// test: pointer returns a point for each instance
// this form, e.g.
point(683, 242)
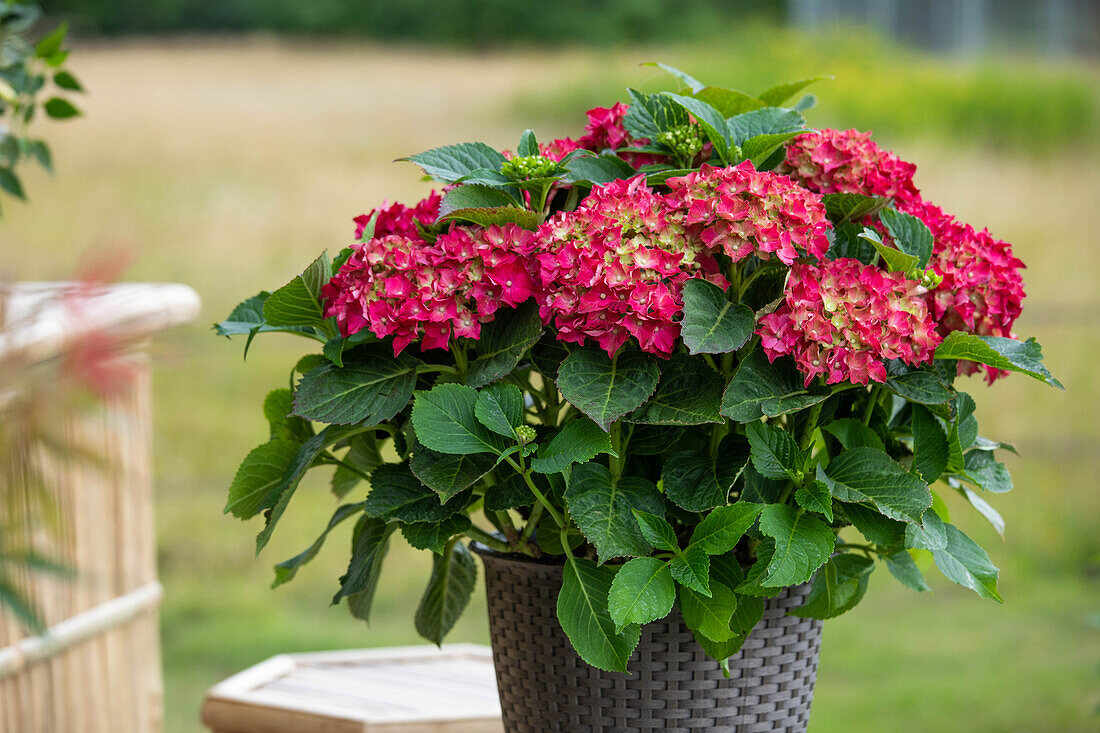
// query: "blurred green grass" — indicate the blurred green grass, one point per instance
point(231, 165)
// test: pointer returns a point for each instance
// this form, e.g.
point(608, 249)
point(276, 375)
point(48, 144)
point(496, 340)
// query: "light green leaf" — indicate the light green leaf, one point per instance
point(910, 235)
point(583, 615)
point(767, 121)
point(802, 544)
point(51, 44)
point(846, 207)
point(528, 144)
point(367, 393)
point(752, 585)
point(837, 587)
point(435, 535)
point(691, 569)
point(867, 474)
point(578, 441)
point(503, 343)
point(454, 574)
point(901, 566)
point(1025, 357)
point(298, 303)
point(713, 324)
point(449, 163)
point(931, 536)
point(709, 615)
point(689, 393)
point(261, 471)
point(853, 433)
point(760, 147)
point(606, 389)
point(641, 591)
point(985, 509)
point(474, 196)
point(494, 216)
point(689, 81)
point(499, 407)
point(780, 93)
point(967, 564)
point(650, 115)
point(724, 527)
point(987, 472)
point(598, 169)
point(603, 510)
point(711, 120)
point(657, 531)
point(774, 452)
point(286, 570)
point(814, 497)
point(895, 259)
point(729, 102)
point(444, 420)
point(760, 388)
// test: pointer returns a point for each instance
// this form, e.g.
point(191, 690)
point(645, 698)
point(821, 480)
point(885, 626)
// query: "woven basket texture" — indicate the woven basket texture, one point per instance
point(672, 685)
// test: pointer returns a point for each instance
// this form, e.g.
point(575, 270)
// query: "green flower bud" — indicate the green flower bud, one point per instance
point(525, 433)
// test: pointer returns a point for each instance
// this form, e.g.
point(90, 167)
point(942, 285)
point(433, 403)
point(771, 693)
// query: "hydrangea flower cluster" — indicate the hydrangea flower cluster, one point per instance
point(745, 212)
point(409, 288)
point(399, 219)
point(847, 161)
point(614, 268)
point(842, 318)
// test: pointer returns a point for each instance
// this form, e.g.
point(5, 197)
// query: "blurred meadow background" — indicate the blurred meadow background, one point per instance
point(228, 162)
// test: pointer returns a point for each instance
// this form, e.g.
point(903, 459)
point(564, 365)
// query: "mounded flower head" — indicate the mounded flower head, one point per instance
point(982, 291)
point(743, 212)
point(407, 288)
point(615, 267)
point(842, 318)
point(398, 219)
point(846, 161)
point(605, 130)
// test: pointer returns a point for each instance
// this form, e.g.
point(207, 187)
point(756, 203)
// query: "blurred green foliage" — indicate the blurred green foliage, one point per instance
point(461, 22)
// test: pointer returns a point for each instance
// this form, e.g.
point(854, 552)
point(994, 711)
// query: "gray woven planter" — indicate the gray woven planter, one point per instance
point(672, 686)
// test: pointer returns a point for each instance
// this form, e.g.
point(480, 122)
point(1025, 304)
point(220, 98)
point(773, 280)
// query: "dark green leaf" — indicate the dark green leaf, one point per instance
point(901, 566)
point(597, 169)
point(367, 394)
point(752, 585)
point(774, 452)
point(369, 545)
point(397, 494)
point(606, 389)
point(724, 527)
point(847, 242)
point(582, 613)
point(910, 235)
point(691, 569)
point(286, 570)
point(689, 393)
point(504, 342)
point(298, 303)
point(930, 449)
point(802, 544)
point(814, 497)
point(759, 388)
point(845, 207)
point(853, 433)
point(474, 196)
point(65, 80)
point(41, 152)
point(989, 473)
point(866, 474)
point(837, 587)
point(641, 591)
point(510, 493)
point(435, 535)
point(713, 324)
point(444, 421)
point(547, 355)
point(1025, 357)
point(364, 456)
point(261, 471)
point(657, 531)
point(578, 441)
point(603, 509)
point(895, 259)
point(710, 119)
point(967, 564)
point(60, 109)
point(499, 407)
point(760, 148)
point(277, 408)
point(454, 574)
point(650, 115)
point(726, 570)
point(696, 482)
point(709, 615)
point(880, 530)
point(451, 162)
point(10, 182)
point(495, 216)
point(448, 474)
point(924, 387)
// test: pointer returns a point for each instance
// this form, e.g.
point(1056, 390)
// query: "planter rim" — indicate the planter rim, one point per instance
point(514, 557)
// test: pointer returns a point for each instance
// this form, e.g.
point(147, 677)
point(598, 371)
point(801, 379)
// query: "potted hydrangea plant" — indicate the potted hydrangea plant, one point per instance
point(684, 382)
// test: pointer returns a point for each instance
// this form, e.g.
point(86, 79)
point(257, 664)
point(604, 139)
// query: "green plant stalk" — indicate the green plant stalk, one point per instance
point(526, 474)
point(493, 543)
point(532, 522)
point(811, 425)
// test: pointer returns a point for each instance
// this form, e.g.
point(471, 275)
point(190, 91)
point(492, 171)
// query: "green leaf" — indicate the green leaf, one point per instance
point(503, 343)
point(780, 93)
point(837, 587)
point(774, 452)
point(650, 115)
point(657, 531)
point(696, 482)
point(444, 420)
point(499, 407)
point(845, 207)
point(495, 216)
point(528, 144)
point(688, 393)
point(512, 492)
point(60, 109)
point(867, 474)
point(641, 591)
point(363, 454)
point(930, 449)
point(286, 570)
point(603, 510)
point(853, 433)
point(814, 497)
point(65, 80)
point(248, 315)
point(1025, 357)
point(298, 303)
point(967, 564)
point(434, 536)
point(363, 394)
point(729, 102)
point(847, 242)
point(901, 566)
point(606, 389)
point(895, 259)
point(802, 544)
point(691, 569)
point(454, 574)
point(448, 474)
point(51, 44)
point(474, 196)
point(278, 405)
point(726, 570)
point(924, 387)
point(713, 324)
point(709, 615)
point(710, 119)
point(10, 182)
point(261, 471)
point(930, 536)
point(397, 494)
point(41, 152)
point(689, 81)
point(723, 528)
point(449, 163)
point(880, 530)
point(583, 615)
point(986, 471)
point(986, 510)
point(752, 585)
point(759, 148)
point(767, 121)
point(369, 545)
point(910, 235)
point(760, 388)
point(578, 441)
point(597, 169)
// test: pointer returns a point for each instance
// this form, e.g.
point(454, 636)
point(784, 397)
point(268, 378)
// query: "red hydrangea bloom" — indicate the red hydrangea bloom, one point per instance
point(400, 220)
point(408, 288)
point(615, 267)
point(605, 130)
point(558, 149)
point(842, 318)
point(744, 211)
point(846, 161)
